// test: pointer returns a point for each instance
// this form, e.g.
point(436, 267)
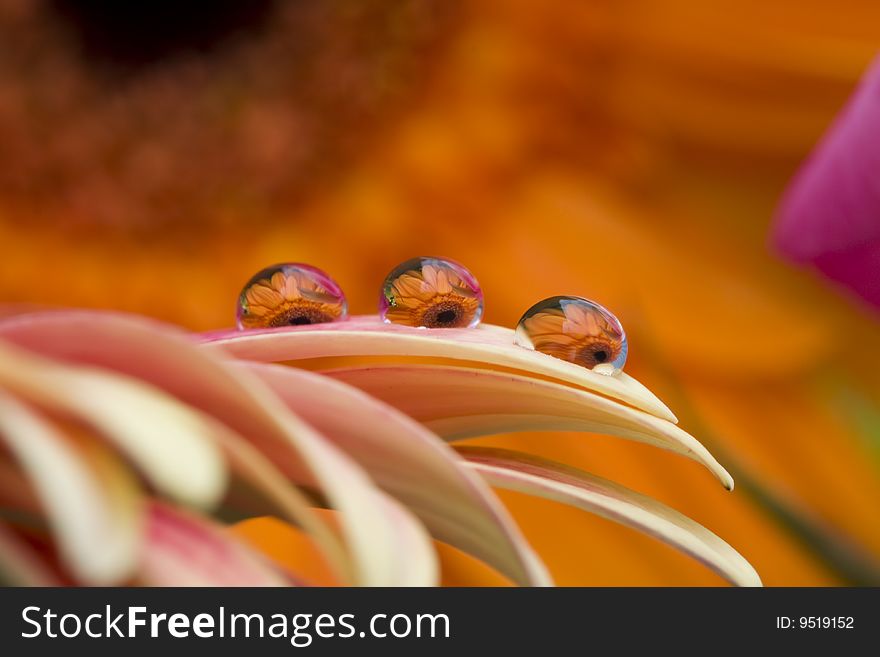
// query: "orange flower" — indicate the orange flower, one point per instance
point(431, 293)
point(575, 330)
point(290, 295)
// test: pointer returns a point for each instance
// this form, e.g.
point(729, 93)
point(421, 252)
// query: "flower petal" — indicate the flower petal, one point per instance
point(829, 215)
point(537, 476)
point(834, 201)
point(459, 402)
point(389, 546)
point(182, 549)
point(174, 449)
point(856, 268)
point(254, 470)
point(413, 465)
point(169, 359)
point(92, 504)
point(410, 544)
point(486, 345)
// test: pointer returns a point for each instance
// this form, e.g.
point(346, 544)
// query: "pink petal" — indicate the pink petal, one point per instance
point(381, 551)
point(413, 465)
point(485, 346)
point(174, 451)
point(858, 268)
point(185, 550)
point(92, 504)
point(830, 215)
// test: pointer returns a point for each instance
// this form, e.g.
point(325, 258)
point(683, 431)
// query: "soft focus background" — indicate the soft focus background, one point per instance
point(630, 151)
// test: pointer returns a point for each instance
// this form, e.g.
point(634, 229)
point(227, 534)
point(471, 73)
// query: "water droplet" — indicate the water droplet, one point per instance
point(290, 294)
point(574, 329)
point(431, 293)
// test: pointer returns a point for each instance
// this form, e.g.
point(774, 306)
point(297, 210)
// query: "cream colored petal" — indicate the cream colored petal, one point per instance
point(536, 476)
point(278, 497)
point(170, 359)
point(413, 465)
point(459, 402)
point(94, 516)
point(172, 445)
point(481, 347)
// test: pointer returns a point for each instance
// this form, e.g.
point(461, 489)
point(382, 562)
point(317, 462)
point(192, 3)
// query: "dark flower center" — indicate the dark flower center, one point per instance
point(446, 317)
point(596, 354)
point(300, 316)
point(140, 34)
point(448, 313)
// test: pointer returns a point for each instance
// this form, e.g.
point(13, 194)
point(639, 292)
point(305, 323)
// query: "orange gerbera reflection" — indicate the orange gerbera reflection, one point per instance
point(431, 293)
point(575, 330)
point(290, 295)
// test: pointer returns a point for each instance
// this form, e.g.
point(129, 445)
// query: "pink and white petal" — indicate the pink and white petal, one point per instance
point(482, 347)
point(536, 476)
point(93, 506)
point(170, 444)
point(382, 536)
point(21, 565)
point(417, 563)
point(171, 360)
point(464, 402)
point(413, 465)
point(181, 549)
point(279, 498)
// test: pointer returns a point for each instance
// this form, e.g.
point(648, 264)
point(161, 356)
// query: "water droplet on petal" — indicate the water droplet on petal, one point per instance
point(577, 330)
point(431, 293)
point(290, 294)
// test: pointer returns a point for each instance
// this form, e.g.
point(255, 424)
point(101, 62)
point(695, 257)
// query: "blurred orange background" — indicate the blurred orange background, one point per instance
point(629, 151)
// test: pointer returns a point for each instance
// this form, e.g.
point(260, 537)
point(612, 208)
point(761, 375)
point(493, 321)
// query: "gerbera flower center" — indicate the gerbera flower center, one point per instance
point(447, 311)
point(431, 293)
point(290, 294)
point(596, 353)
point(299, 313)
point(141, 34)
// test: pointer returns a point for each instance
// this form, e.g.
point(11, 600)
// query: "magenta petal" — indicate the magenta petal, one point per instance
point(859, 268)
point(831, 211)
